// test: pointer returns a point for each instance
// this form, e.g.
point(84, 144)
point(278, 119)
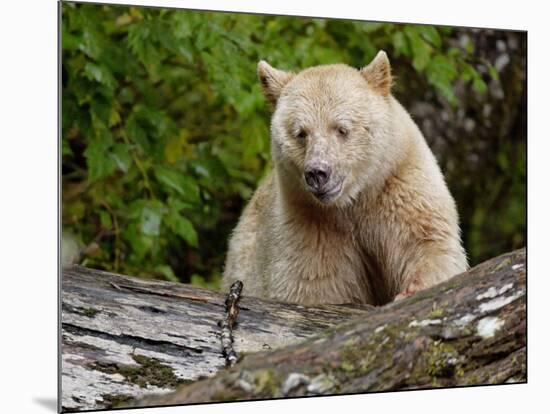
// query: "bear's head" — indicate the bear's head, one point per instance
point(331, 127)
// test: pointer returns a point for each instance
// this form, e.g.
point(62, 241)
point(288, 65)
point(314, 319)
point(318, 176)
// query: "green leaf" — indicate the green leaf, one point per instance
point(126, 95)
point(167, 272)
point(151, 218)
point(65, 148)
point(493, 73)
point(430, 34)
point(134, 208)
point(369, 27)
point(442, 68)
point(400, 44)
point(198, 280)
point(183, 228)
point(479, 85)
point(100, 111)
point(181, 26)
point(212, 282)
point(139, 243)
point(441, 72)
point(69, 41)
point(445, 89)
point(100, 73)
point(137, 134)
point(142, 43)
point(105, 219)
point(176, 181)
point(204, 282)
point(122, 157)
point(91, 44)
point(468, 72)
point(99, 163)
point(420, 49)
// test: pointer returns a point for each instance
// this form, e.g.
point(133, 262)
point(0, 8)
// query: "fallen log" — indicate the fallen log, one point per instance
point(124, 337)
point(468, 330)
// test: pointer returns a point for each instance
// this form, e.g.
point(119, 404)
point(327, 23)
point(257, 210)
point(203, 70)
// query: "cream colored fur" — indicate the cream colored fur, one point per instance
point(390, 231)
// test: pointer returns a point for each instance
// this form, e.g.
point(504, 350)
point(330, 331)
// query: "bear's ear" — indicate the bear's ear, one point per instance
point(272, 80)
point(378, 73)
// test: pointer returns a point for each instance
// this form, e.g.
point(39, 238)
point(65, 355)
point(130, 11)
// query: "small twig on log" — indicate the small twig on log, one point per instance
point(229, 322)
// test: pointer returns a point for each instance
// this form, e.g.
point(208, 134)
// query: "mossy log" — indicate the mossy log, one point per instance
point(468, 330)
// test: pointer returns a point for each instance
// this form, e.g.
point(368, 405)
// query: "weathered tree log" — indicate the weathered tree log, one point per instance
point(125, 337)
point(468, 330)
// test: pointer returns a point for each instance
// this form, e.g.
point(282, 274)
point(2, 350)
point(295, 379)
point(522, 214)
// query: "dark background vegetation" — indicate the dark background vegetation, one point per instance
point(165, 129)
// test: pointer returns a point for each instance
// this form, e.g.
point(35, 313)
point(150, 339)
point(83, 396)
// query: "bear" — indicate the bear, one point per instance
point(356, 209)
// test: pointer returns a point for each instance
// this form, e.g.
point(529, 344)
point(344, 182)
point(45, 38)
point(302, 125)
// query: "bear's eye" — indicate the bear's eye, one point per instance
point(301, 134)
point(343, 131)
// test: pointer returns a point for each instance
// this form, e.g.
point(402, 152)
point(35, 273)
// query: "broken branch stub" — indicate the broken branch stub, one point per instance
point(229, 322)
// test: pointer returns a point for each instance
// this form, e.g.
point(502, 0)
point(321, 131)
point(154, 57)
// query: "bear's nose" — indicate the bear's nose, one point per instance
point(316, 177)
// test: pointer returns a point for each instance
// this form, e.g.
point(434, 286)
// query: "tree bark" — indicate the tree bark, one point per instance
point(468, 330)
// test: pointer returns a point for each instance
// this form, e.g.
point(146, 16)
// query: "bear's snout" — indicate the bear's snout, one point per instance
point(317, 176)
point(321, 182)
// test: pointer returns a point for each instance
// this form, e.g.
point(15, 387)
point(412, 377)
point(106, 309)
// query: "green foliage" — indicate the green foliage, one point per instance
point(165, 130)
